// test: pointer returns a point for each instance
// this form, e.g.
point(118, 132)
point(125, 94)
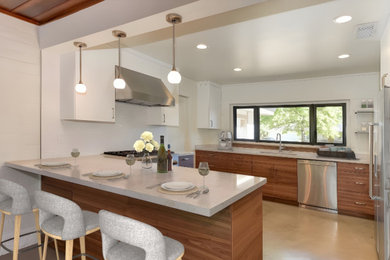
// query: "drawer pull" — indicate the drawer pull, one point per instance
point(359, 168)
point(360, 203)
point(185, 159)
point(359, 183)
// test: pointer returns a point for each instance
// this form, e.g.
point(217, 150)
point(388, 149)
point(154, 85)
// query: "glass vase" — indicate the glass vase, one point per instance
point(146, 161)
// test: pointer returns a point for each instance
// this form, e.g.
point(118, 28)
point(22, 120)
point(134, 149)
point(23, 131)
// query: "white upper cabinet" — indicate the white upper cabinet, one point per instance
point(98, 72)
point(166, 116)
point(209, 105)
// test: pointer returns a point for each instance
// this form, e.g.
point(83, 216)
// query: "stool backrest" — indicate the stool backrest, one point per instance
point(20, 199)
point(130, 231)
point(50, 205)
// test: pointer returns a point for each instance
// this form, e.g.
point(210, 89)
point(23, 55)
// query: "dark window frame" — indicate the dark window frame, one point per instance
point(312, 123)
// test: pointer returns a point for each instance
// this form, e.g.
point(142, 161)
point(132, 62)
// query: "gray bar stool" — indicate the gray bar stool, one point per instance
point(63, 219)
point(124, 238)
point(15, 201)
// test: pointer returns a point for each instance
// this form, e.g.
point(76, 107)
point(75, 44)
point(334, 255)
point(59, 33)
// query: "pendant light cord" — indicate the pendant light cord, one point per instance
point(80, 82)
point(174, 46)
point(119, 56)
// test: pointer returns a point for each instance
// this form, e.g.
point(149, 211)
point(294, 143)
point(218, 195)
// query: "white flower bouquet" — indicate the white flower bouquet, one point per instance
point(146, 143)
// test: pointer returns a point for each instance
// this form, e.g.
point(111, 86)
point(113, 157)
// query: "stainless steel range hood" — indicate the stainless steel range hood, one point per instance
point(143, 90)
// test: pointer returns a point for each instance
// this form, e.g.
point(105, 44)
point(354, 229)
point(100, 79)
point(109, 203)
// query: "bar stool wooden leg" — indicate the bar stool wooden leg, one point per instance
point(69, 250)
point(82, 247)
point(45, 247)
point(18, 219)
point(37, 227)
point(2, 226)
point(56, 247)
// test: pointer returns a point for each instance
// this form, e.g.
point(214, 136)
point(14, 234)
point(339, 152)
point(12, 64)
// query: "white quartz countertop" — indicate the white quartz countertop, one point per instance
point(285, 153)
point(225, 188)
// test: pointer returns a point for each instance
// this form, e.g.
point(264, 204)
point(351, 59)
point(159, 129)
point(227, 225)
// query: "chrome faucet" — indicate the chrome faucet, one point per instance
point(279, 138)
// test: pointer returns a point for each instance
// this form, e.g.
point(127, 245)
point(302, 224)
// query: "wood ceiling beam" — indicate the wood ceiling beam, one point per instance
point(33, 8)
point(21, 17)
point(39, 12)
point(67, 8)
point(10, 4)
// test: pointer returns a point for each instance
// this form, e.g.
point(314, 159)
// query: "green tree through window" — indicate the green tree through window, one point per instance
point(329, 124)
point(307, 124)
point(286, 120)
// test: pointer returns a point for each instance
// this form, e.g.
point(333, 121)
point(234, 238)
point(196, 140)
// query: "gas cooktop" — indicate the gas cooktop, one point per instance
point(126, 152)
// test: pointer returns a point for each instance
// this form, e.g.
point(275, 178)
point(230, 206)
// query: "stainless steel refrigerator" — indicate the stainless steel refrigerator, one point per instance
point(379, 146)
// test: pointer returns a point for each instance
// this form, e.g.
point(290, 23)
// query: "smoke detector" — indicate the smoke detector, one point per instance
point(366, 30)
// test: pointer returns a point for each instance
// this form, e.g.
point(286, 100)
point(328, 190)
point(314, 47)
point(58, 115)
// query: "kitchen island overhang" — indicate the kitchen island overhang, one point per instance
point(224, 224)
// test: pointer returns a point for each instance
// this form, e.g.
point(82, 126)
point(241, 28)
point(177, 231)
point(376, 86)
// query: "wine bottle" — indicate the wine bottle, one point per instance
point(169, 157)
point(162, 162)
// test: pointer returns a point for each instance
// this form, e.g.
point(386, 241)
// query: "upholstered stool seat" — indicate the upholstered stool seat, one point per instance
point(123, 251)
point(15, 201)
point(125, 238)
point(63, 219)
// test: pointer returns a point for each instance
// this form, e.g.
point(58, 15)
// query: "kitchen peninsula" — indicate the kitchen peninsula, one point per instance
point(224, 224)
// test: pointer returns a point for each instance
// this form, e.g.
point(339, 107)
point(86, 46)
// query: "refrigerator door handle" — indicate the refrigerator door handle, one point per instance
point(372, 163)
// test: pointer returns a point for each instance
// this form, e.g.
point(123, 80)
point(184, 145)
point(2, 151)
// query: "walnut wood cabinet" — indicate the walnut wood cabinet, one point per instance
point(352, 190)
point(282, 181)
point(281, 173)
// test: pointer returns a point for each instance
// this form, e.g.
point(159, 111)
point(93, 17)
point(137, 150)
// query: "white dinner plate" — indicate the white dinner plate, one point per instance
point(177, 186)
point(106, 173)
point(54, 164)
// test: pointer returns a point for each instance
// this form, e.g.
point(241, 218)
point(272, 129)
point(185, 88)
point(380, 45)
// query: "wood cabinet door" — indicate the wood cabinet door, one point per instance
point(216, 160)
point(238, 163)
point(352, 190)
point(281, 174)
point(286, 178)
point(262, 166)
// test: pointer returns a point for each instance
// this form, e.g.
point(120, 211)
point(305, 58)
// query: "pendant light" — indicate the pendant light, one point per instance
point(174, 76)
point(80, 87)
point(119, 83)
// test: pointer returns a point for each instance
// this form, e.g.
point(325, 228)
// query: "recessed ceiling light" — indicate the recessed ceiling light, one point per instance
point(344, 56)
point(342, 19)
point(237, 69)
point(201, 46)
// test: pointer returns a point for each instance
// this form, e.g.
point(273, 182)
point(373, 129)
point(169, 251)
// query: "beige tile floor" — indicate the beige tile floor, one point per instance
point(293, 233)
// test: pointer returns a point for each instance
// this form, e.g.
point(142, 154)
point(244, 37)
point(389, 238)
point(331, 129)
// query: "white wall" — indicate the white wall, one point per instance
point(385, 51)
point(59, 137)
point(19, 107)
point(349, 88)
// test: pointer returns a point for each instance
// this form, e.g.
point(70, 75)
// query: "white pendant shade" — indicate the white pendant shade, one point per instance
point(119, 83)
point(80, 88)
point(174, 77)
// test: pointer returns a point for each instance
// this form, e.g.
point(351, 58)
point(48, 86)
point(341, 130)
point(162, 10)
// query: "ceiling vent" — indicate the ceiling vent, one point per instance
point(366, 30)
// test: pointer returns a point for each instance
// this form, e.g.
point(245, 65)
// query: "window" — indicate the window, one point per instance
point(329, 124)
point(245, 124)
point(301, 124)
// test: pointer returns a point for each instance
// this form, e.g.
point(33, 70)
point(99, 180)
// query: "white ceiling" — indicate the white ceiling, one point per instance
point(295, 44)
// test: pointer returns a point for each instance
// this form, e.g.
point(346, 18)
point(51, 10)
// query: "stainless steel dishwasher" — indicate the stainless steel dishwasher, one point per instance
point(317, 184)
